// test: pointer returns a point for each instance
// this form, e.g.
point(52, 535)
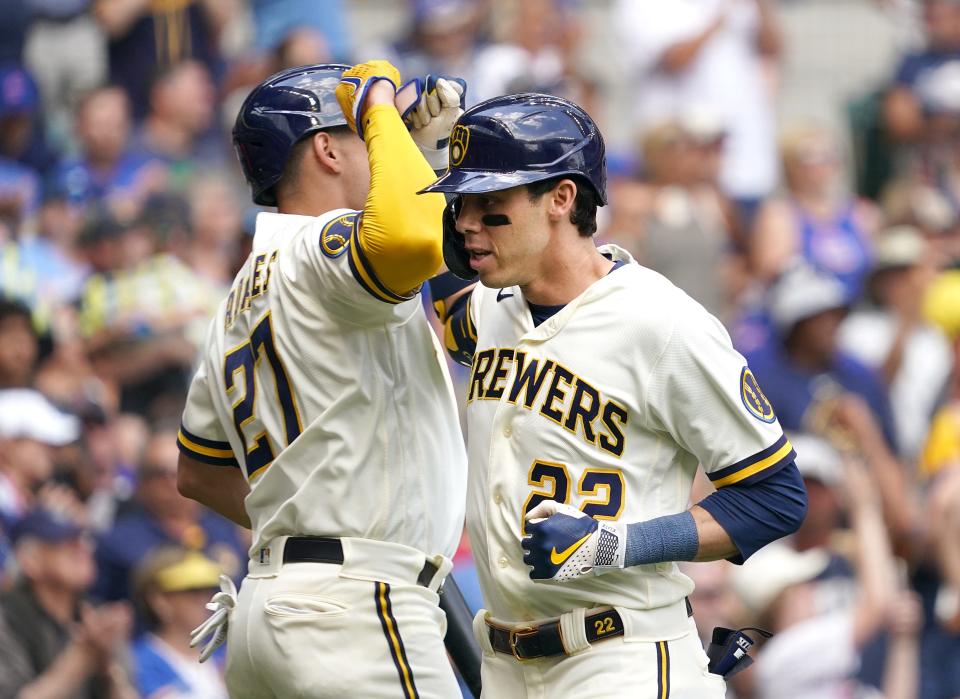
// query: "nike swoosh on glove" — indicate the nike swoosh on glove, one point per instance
point(565, 544)
point(215, 627)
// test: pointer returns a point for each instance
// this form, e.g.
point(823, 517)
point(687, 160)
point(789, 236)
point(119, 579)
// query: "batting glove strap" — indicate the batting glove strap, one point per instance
point(354, 84)
point(611, 548)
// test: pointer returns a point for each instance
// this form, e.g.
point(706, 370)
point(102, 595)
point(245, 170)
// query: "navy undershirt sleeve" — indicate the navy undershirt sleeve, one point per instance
point(755, 515)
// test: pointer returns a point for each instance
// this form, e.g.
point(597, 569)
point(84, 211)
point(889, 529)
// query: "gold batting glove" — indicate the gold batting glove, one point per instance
point(354, 84)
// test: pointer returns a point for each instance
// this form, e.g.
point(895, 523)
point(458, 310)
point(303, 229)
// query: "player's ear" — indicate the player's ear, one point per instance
point(327, 152)
point(561, 199)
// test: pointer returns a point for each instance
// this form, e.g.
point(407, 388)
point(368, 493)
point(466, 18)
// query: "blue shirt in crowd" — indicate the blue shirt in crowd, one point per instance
point(791, 389)
point(136, 534)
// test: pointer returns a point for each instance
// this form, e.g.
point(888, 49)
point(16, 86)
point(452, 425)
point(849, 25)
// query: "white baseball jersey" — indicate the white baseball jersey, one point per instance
point(331, 393)
point(609, 406)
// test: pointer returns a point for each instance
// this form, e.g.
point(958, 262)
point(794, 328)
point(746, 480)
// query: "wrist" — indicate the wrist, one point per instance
point(83, 656)
point(436, 158)
point(380, 92)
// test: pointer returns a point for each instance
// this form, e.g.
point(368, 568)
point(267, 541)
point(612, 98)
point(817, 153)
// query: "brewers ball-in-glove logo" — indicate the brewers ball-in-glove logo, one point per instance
point(459, 140)
point(753, 398)
point(336, 234)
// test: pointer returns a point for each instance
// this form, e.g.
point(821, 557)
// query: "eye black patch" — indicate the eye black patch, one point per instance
point(495, 220)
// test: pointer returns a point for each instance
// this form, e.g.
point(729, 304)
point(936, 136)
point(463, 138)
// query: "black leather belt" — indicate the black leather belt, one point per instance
point(324, 549)
point(545, 640)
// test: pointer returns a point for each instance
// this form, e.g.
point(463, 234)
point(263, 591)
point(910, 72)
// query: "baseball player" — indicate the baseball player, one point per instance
point(322, 415)
point(596, 387)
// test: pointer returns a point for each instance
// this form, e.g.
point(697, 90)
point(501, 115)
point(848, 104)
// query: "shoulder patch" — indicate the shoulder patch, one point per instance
point(335, 235)
point(753, 398)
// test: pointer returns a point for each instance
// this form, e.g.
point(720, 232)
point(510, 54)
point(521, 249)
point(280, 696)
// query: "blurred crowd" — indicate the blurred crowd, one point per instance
point(831, 255)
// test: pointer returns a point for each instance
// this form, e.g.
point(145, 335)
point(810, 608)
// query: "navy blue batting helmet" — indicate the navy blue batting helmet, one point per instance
point(280, 112)
point(519, 139)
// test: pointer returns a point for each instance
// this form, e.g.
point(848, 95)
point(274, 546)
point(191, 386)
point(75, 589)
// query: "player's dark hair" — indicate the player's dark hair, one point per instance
point(583, 215)
point(291, 170)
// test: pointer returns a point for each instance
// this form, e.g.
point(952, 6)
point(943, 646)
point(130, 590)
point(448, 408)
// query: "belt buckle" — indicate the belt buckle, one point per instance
point(519, 632)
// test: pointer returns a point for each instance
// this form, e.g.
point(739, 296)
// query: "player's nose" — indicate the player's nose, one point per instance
point(468, 220)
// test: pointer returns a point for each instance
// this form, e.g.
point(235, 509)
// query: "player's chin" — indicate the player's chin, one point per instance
point(493, 276)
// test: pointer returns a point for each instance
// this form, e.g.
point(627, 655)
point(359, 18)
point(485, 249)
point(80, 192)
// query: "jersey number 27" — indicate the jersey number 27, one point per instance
point(246, 359)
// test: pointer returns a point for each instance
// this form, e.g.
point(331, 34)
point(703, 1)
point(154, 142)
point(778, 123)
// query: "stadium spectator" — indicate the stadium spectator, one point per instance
point(105, 171)
point(23, 154)
point(177, 128)
point(67, 53)
point(939, 466)
point(216, 224)
point(17, 16)
point(944, 175)
point(144, 311)
point(683, 231)
point(781, 587)
point(302, 25)
point(161, 516)
point(540, 53)
point(52, 249)
point(30, 429)
point(910, 200)
point(147, 38)
point(444, 38)
point(22, 134)
point(923, 104)
point(171, 587)
point(831, 230)
point(708, 55)
point(53, 644)
point(801, 365)
point(18, 345)
point(912, 356)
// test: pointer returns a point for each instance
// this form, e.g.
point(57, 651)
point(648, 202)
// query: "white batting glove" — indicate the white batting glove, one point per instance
point(215, 627)
point(432, 118)
point(565, 544)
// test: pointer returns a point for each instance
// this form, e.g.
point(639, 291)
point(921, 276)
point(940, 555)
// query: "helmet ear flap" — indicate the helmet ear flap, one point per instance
point(454, 250)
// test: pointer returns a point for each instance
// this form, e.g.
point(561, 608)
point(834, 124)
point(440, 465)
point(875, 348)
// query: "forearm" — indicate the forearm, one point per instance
point(895, 493)
point(116, 16)
point(401, 232)
point(221, 488)
point(693, 535)
point(130, 361)
point(876, 572)
point(119, 683)
point(891, 365)
point(679, 56)
point(71, 669)
point(901, 673)
point(769, 39)
point(714, 542)
point(731, 523)
point(227, 501)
